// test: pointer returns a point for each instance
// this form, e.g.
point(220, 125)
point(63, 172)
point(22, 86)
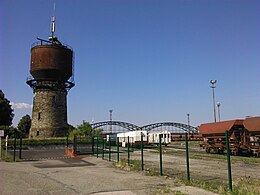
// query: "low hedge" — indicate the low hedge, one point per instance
point(44, 142)
point(38, 142)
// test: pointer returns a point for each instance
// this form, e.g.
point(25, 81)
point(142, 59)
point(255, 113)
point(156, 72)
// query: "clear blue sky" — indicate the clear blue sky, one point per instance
point(148, 60)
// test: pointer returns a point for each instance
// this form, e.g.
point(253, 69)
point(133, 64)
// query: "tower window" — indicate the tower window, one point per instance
point(37, 133)
point(39, 115)
point(53, 100)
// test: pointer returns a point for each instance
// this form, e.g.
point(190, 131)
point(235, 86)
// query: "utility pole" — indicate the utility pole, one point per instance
point(213, 82)
point(187, 149)
point(110, 111)
point(218, 105)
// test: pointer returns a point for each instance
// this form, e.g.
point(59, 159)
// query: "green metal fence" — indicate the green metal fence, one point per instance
point(172, 160)
point(115, 151)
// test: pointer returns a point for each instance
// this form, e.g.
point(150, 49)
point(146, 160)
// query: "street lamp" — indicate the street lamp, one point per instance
point(213, 82)
point(218, 105)
point(110, 111)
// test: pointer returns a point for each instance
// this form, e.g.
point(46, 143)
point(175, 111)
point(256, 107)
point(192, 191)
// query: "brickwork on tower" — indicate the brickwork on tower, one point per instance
point(49, 115)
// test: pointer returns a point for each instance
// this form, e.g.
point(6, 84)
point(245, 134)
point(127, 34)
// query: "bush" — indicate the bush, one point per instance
point(38, 142)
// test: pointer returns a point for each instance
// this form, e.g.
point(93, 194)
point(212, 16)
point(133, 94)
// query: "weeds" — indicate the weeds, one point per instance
point(247, 161)
point(178, 193)
point(6, 156)
point(246, 185)
point(151, 172)
point(167, 190)
point(242, 186)
point(210, 186)
point(135, 165)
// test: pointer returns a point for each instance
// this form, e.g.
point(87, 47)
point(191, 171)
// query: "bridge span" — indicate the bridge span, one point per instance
point(149, 127)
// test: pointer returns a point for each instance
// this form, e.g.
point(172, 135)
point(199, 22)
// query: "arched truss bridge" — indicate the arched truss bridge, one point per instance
point(128, 126)
point(132, 127)
point(184, 127)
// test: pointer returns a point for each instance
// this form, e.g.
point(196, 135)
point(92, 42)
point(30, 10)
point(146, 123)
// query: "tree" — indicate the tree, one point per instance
point(6, 111)
point(85, 128)
point(98, 131)
point(70, 128)
point(9, 130)
point(24, 125)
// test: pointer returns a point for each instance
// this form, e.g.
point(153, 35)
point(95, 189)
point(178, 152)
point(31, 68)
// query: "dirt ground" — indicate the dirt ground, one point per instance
point(203, 166)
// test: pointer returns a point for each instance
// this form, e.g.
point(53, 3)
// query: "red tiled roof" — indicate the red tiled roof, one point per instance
point(252, 123)
point(219, 127)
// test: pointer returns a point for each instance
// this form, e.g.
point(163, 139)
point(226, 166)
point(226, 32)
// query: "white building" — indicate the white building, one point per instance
point(134, 137)
point(153, 137)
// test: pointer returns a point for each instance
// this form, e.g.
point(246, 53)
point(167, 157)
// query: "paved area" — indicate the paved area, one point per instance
point(82, 176)
point(36, 153)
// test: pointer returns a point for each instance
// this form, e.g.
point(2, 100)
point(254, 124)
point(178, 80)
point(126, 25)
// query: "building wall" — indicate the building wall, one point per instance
point(49, 115)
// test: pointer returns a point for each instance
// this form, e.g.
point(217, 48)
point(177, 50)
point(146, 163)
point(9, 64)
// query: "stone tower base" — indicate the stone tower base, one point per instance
point(41, 133)
point(49, 115)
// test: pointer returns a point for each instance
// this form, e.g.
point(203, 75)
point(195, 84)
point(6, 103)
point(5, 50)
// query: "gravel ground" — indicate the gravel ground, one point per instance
point(202, 168)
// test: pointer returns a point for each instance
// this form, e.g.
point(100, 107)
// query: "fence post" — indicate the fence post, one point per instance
point(109, 153)
point(14, 145)
point(160, 150)
point(97, 146)
point(93, 144)
point(0, 147)
point(128, 150)
point(20, 148)
point(74, 144)
point(6, 145)
point(103, 147)
point(117, 149)
point(142, 151)
point(187, 157)
point(228, 161)
point(67, 140)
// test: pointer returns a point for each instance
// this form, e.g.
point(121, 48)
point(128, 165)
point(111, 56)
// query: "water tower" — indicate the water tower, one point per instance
point(51, 78)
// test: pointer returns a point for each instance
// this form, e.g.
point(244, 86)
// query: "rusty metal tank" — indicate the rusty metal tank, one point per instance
point(51, 62)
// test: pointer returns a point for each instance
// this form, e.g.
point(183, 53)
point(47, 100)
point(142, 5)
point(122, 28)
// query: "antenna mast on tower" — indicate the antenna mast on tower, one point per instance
point(52, 37)
point(52, 26)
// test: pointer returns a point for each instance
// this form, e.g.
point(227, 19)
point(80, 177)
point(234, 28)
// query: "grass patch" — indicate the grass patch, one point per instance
point(151, 172)
point(56, 141)
point(234, 159)
point(178, 193)
point(242, 186)
point(135, 165)
point(209, 156)
point(37, 142)
point(209, 186)
point(166, 190)
point(246, 160)
point(7, 157)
